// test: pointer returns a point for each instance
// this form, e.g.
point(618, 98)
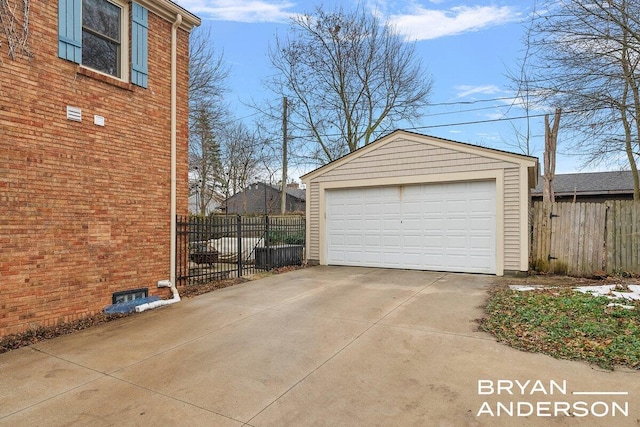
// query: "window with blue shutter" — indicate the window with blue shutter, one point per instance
point(70, 30)
point(94, 32)
point(139, 36)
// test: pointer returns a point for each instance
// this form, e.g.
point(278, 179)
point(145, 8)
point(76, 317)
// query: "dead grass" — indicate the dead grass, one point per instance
point(563, 323)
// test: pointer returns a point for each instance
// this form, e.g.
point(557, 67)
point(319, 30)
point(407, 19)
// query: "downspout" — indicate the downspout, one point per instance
point(172, 264)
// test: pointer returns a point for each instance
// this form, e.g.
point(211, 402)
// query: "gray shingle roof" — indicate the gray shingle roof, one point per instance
point(299, 193)
point(590, 183)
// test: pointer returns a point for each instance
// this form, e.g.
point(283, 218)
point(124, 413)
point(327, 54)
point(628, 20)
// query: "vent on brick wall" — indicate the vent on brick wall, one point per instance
point(130, 295)
point(74, 113)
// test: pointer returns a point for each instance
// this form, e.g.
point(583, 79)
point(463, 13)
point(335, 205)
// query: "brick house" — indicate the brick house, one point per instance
point(94, 163)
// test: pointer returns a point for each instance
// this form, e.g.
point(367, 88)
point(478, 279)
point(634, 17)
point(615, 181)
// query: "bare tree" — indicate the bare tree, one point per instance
point(208, 73)
point(348, 77)
point(207, 116)
point(524, 98)
point(204, 158)
point(242, 155)
point(550, 148)
point(587, 56)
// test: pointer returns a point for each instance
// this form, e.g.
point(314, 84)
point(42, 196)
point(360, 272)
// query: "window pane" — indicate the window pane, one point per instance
point(100, 54)
point(102, 17)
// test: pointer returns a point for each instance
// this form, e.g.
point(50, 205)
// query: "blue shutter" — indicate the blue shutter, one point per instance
point(139, 45)
point(70, 30)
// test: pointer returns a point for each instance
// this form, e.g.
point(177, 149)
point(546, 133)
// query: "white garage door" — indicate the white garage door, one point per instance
point(443, 227)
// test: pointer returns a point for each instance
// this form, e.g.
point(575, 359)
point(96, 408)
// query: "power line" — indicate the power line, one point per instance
point(474, 122)
point(468, 110)
point(477, 101)
point(502, 119)
point(439, 104)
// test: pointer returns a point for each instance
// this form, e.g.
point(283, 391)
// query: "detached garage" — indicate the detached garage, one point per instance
point(412, 201)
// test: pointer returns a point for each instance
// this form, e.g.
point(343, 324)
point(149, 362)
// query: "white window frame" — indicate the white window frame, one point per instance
point(125, 17)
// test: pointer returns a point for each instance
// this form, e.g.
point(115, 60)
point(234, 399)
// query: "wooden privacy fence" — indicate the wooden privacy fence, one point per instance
point(581, 238)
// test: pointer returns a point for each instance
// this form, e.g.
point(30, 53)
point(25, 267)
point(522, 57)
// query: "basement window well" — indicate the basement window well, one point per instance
point(130, 295)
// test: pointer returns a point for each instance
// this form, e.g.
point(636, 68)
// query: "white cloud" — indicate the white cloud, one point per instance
point(240, 10)
point(425, 24)
point(495, 116)
point(466, 90)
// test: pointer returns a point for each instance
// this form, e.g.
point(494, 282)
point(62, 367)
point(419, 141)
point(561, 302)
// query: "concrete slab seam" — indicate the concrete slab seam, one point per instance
point(342, 349)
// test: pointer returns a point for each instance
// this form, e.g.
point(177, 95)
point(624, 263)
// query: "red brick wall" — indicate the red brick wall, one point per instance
point(84, 209)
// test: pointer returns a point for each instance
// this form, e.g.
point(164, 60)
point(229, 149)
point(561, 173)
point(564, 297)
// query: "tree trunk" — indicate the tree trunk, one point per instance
point(548, 193)
point(550, 144)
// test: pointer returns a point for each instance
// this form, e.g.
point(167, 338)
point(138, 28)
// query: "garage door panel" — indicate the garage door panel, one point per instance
point(435, 242)
point(372, 224)
point(353, 256)
point(430, 224)
point(455, 243)
point(353, 240)
point(480, 242)
point(478, 207)
point(391, 241)
point(338, 241)
point(456, 223)
point(445, 226)
point(433, 207)
point(456, 207)
point(413, 242)
point(372, 241)
point(480, 223)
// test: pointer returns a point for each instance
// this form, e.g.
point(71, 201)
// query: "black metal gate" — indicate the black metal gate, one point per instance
point(225, 246)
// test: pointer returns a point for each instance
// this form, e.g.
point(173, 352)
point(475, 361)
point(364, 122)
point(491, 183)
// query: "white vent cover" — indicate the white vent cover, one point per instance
point(74, 113)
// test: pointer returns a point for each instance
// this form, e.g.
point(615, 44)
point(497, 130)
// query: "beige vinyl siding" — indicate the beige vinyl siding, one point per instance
point(512, 219)
point(313, 222)
point(406, 158)
point(412, 158)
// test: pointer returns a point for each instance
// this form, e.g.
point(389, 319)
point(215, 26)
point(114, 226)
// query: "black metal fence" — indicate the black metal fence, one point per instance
point(225, 246)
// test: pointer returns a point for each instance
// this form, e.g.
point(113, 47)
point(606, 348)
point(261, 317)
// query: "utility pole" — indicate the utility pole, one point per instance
point(283, 202)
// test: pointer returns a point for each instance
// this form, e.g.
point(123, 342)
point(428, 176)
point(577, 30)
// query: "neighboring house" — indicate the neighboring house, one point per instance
point(94, 164)
point(589, 187)
point(259, 198)
point(413, 201)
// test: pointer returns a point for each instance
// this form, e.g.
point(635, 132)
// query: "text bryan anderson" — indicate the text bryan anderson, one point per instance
point(513, 402)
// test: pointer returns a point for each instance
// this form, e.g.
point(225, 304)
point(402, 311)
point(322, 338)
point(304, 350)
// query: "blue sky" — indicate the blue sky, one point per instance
point(466, 46)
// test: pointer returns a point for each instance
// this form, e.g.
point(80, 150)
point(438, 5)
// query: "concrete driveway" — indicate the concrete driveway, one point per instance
point(323, 346)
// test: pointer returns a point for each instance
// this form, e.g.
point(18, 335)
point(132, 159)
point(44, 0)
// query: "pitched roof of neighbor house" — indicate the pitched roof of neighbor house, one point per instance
point(462, 146)
point(298, 193)
point(590, 183)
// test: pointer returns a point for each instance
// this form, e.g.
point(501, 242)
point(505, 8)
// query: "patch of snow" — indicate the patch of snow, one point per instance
point(634, 288)
point(615, 304)
point(596, 290)
point(523, 288)
point(627, 295)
